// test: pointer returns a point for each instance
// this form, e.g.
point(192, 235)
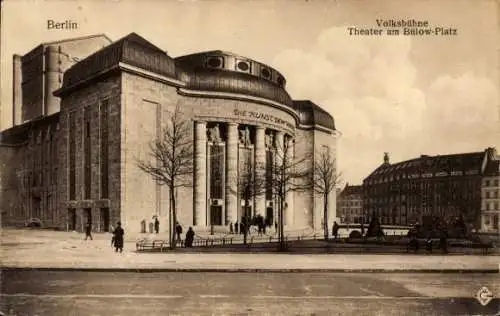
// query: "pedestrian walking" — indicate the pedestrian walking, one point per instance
point(335, 230)
point(236, 227)
point(178, 230)
point(118, 234)
point(443, 240)
point(231, 228)
point(189, 238)
point(157, 225)
point(88, 231)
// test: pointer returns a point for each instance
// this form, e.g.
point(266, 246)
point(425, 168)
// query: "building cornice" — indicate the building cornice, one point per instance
point(238, 96)
point(151, 75)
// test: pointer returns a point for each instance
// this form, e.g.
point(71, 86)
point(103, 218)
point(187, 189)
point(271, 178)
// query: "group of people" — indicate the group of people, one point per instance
point(246, 223)
point(188, 241)
point(116, 240)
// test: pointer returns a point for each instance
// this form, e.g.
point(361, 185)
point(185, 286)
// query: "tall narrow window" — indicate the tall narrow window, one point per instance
point(87, 153)
point(72, 156)
point(104, 144)
point(216, 171)
point(269, 175)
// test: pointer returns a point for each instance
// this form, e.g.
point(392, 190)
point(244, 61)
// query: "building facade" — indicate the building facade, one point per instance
point(29, 151)
point(490, 193)
point(119, 99)
point(423, 189)
point(350, 205)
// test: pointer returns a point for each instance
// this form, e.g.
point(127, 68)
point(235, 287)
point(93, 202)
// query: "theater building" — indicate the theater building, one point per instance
point(429, 187)
point(114, 102)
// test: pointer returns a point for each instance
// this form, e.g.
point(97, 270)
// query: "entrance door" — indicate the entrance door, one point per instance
point(269, 216)
point(36, 203)
point(71, 219)
point(215, 215)
point(104, 223)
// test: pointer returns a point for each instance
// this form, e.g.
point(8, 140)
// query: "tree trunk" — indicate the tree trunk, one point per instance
point(174, 220)
point(281, 225)
point(245, 224)
point(325, 215)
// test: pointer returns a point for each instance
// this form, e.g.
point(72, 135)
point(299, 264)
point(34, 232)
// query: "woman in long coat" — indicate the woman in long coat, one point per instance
point(118, 237)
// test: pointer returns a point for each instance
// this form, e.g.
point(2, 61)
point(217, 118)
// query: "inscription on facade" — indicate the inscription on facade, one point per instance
point(263, 117)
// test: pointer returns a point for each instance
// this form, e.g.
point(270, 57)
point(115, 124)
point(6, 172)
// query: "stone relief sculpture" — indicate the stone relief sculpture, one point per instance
point(269, 141)
point(214, 134)
point(245, 137)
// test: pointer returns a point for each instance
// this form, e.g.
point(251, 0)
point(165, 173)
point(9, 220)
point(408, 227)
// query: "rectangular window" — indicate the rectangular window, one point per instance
point(496, 182)
point(487, 183)
point(269, 175)
point(216, 171)
point(487, 194)
point(104, 148)
point(87, 154)
point(72, 156)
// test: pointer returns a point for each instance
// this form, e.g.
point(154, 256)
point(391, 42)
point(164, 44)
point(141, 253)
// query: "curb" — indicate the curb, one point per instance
point(245, 270)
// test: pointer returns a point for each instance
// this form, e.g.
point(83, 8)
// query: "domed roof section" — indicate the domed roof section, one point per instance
point(311, 114)
point(228, 72)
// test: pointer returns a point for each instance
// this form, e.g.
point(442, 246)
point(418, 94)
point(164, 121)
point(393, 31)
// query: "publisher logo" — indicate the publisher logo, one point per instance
point(484, 296)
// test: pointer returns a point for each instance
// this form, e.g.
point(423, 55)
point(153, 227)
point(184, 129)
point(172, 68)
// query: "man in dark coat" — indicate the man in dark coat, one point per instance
point(88, 231)
point(118, 237)
point(189, 238)
point(157, 225)
point(335, 230)
point(178, 230)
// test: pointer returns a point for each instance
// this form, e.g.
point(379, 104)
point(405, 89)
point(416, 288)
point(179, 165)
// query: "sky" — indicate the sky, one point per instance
point(405, 95)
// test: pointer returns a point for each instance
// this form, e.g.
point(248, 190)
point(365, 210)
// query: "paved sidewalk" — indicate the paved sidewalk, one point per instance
point(43, 249)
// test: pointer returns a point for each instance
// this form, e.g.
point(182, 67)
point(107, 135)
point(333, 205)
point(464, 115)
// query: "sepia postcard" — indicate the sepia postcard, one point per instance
point(265, 157)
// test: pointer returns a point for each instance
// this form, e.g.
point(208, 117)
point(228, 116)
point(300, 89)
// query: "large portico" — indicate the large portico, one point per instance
point(227, 153)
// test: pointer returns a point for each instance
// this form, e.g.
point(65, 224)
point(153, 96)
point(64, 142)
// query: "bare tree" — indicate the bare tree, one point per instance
point(170, 161)
point(324, 180)
point(290, 174)
point(251, 184)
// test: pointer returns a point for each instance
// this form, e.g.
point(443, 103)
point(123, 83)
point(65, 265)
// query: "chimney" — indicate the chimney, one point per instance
point(386, 158)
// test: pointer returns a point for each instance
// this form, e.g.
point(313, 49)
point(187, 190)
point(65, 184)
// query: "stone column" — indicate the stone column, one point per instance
point(232, 173)
point(260, 171)
point(200, 174)
point(279, 161)
point(290, 196)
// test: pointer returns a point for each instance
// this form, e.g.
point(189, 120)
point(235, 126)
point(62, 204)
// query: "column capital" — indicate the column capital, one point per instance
point(258, 127)
point(232, 124)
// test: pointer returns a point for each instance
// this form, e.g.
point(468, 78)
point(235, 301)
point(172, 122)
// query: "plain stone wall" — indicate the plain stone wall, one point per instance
point(321, 139)
point(140, 200)
point(303, 202)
